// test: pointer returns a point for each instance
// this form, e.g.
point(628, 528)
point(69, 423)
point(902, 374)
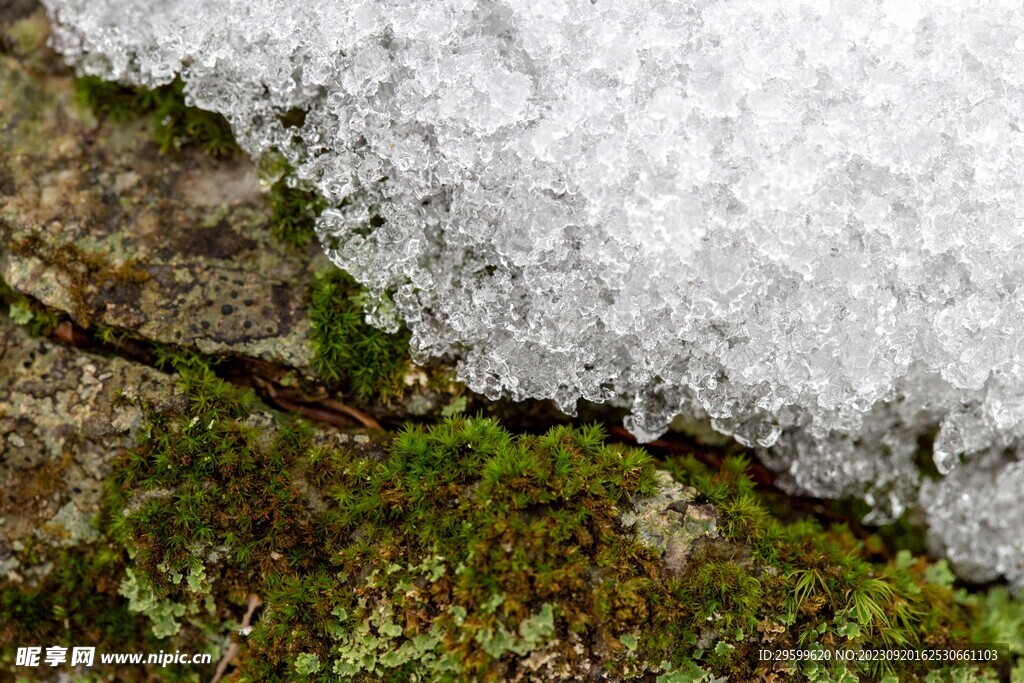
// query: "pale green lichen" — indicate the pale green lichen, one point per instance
point(670, 522)
point(162, 613)
point(534, 632)
point(455, 407)
point(307, 664)
point(375, 645)
point(20, 314)
point(69, 527)
point(685, 673)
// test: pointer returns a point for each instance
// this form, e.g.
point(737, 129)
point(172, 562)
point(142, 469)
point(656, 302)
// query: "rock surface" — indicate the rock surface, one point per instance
point(672, 521)
point(96, 222)
point(65, 415)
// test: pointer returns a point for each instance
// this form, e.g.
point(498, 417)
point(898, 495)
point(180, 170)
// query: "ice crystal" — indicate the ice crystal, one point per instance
point(802, 220)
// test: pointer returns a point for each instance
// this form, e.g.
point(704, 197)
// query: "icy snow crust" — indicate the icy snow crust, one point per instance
point(804, 220)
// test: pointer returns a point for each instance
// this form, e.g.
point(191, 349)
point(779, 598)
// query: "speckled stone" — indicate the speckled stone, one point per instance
point(176, 247)
point(64, 417)
point(671, 521)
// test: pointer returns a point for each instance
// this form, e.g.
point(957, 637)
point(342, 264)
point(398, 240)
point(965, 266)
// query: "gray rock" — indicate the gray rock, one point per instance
point(670, 522)
point(175, 248)
point(65, 416)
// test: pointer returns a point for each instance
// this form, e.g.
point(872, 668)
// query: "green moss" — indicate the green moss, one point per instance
point(80, 588)
point(77, 604)
point(293, 212)
point(349, 352)
point(819, 587)
point(461, 552)
point(466, 549)
point(225, 488)
point(721, 583)
point(175, 125)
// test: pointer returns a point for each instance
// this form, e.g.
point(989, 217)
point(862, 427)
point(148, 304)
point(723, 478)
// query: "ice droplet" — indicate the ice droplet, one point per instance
point(947, 448)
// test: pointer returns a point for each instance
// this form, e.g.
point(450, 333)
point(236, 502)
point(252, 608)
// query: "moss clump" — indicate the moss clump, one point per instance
point(457, 551)
point(77, 604)
point(461, 552)
point(818, 587)
point(77, 597)
point(175, 124)
point(211, 489)
point(293, 213)
point(467, 550)
point(349, 352)
point(294, 207)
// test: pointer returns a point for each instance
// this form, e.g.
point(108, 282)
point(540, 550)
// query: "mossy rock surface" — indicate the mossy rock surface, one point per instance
point(64, 416)
point(102, 222)
point(462, 552)
point(106, 226)
point(153, 500)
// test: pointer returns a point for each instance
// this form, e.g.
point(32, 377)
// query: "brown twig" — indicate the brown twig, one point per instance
point(359, 415)
point(326, 410)
point(232, 651)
